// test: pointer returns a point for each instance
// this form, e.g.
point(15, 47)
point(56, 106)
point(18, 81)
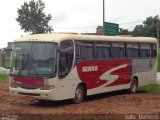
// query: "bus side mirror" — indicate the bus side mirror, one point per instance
point(6, 54)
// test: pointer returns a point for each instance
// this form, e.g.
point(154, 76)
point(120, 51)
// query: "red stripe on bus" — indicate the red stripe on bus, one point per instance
point(29, 80)
point(117, 72)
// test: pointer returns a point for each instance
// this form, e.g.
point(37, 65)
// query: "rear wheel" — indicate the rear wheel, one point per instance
point(133, 86)
point(79, 94)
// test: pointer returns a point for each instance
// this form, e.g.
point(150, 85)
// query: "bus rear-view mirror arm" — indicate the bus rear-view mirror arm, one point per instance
point(6, 54)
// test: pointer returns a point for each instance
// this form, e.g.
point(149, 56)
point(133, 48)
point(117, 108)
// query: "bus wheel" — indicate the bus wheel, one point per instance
point(79, 95)
point(133, 85)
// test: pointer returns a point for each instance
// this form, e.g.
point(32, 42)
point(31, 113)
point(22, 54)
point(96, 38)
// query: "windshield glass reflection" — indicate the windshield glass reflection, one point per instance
point(33, 59)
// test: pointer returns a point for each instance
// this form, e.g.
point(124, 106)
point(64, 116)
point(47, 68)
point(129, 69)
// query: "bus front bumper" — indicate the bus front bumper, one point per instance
point(36, 93)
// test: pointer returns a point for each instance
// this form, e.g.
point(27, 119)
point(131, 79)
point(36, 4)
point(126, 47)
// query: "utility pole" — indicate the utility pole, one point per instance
point(103, 15)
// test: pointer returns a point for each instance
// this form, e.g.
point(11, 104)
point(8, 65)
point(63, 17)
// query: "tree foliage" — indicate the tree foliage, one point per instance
point(148, 29)
point(138, 30)
point(124, 32)
point(32, 18)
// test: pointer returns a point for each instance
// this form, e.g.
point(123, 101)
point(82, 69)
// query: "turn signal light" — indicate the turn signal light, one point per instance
point(47, 87)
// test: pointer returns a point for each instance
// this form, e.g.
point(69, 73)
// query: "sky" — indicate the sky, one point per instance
point(82, 16)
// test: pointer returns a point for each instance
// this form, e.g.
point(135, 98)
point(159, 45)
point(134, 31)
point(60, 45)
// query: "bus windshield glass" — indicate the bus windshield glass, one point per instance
point(33, 59)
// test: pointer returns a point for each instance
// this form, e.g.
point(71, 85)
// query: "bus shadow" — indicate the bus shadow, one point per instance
point(52, 103)
point(109, 94)
point(87, 99)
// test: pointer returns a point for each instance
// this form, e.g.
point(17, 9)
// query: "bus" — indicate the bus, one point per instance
point(69, 66)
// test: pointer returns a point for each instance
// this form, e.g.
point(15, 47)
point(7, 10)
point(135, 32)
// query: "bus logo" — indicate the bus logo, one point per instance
point(89, 68)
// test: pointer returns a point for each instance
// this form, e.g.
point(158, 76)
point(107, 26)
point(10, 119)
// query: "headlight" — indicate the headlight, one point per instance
point(47, 87)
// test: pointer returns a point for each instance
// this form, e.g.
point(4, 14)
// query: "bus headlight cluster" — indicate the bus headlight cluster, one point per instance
point(47, 87)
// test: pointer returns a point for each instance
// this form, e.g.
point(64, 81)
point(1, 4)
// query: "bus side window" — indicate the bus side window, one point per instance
point(102, 50)
point(153, 50)
point(145, 50)
point(132, 50)
point(65, 58)
point(118, 50)
point(84, 51)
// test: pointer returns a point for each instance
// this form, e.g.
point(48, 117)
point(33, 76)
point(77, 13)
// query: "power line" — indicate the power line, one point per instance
point(96, 26)
point(77, 27)
point(84, 27)
point(131, 22)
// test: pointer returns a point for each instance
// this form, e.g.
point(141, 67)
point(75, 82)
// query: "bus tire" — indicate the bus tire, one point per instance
point(79, 95)
point(133, 85)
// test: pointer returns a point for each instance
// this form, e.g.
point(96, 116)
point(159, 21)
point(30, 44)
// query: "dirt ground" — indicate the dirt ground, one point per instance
point(114, 105)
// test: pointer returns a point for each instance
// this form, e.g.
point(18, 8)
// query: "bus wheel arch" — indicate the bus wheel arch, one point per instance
point(133, 85)
point(80, 93)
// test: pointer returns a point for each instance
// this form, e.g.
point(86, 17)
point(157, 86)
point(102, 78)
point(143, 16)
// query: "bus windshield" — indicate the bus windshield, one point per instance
point(33, 59)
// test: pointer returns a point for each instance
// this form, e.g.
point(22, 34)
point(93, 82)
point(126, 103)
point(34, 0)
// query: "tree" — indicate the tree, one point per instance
point(124, 32)
point(32, 19)
point(138, 30)
point(150, 26)
point(148, 29)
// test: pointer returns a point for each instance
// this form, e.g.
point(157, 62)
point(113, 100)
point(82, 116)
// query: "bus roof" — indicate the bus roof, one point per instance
point(59, 37)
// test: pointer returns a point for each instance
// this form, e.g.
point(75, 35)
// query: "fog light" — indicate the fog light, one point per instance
point(47, 87)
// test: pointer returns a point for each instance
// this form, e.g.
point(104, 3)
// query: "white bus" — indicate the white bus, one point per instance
point(65, 66)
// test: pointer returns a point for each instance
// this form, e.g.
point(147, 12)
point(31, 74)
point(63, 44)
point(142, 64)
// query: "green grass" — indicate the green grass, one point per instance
point(0, 63)
point(150, 88)
point(4, 77)
point(158, 67)
point(7, 64)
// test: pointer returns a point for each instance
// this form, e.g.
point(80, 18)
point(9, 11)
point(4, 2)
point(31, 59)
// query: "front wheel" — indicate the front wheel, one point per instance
point(79, 95)
point(133, 86)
